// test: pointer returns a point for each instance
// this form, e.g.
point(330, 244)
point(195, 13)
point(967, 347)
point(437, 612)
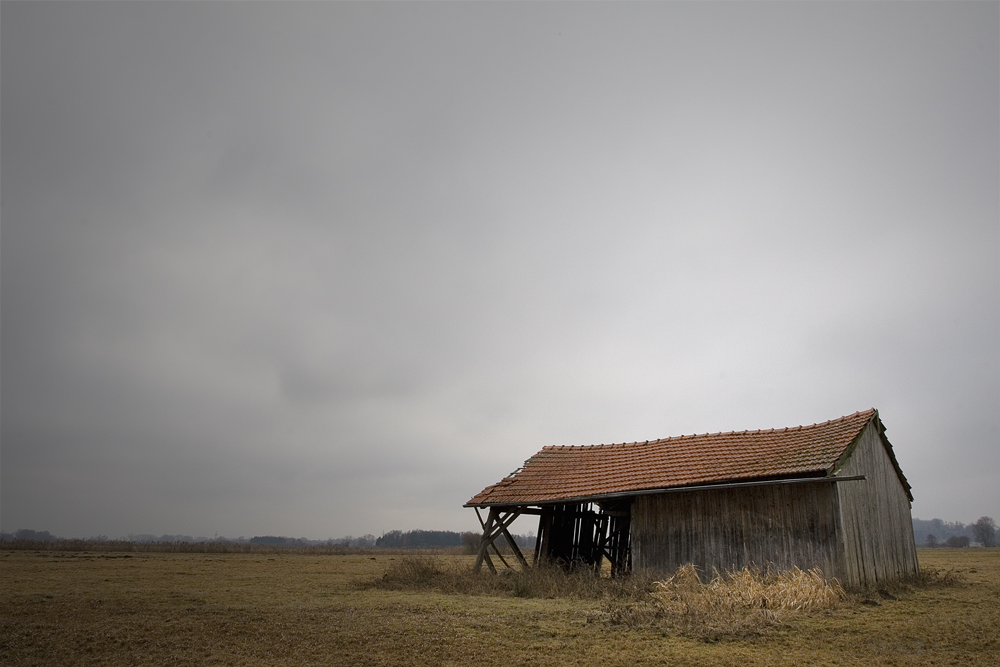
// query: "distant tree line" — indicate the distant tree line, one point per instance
point(954, 542)
point(396, 539)
point(25, 534)
point(440, 539)
point(419, 539)
point(365, 541)
point(349, 541)
point(938, 533)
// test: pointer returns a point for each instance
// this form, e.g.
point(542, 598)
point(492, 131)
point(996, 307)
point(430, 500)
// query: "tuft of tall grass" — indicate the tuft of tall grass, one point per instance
point(929, 576)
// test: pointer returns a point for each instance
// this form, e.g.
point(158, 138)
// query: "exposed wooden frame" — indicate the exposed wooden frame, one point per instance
point(584, 534)
point(496, 524)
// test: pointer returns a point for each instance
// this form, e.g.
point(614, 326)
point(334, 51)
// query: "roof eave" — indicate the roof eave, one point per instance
point(820, 477)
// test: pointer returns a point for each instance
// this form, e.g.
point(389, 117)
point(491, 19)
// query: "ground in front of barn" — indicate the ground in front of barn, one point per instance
point(88, 608)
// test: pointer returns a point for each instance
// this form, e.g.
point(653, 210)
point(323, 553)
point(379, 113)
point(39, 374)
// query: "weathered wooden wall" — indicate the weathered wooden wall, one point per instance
point(726, 529)
point(875, 522)
point(858, 531)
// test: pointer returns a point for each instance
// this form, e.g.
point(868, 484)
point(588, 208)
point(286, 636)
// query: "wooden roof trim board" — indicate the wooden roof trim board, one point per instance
point(892, 456)
point(880, 429)
point(678, 489)
point(575, 473)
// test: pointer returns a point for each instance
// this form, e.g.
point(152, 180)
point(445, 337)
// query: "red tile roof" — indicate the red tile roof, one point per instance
point(571, 472)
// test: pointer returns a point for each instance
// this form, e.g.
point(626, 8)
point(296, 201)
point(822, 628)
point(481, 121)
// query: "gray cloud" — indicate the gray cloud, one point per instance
point(319, 269)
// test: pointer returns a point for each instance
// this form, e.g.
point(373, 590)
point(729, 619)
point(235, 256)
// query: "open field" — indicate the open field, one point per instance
point(78, 608)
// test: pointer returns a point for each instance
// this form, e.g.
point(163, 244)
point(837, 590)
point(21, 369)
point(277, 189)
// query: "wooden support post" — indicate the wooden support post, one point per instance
point(484, 544)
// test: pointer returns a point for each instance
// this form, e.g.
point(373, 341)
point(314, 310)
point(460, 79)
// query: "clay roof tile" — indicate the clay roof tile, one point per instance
point(574, 471)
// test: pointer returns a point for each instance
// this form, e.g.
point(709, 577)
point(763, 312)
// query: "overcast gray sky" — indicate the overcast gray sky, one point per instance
point(328, 269)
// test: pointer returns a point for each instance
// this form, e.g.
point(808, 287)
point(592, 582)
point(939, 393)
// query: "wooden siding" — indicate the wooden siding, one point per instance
point(726, 529)
point(875, 524)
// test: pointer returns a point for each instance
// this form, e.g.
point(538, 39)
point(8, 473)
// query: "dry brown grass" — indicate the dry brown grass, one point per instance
point(429, 573)
point(300, 609)
point(741, 603)
point(745, 603)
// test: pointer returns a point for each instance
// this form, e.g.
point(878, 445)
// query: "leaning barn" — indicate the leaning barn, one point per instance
point(829, 495)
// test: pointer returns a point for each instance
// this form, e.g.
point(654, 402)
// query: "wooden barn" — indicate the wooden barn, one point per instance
point(829, 495)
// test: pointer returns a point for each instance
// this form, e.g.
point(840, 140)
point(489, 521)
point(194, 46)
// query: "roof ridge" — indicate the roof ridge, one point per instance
point(709, 434)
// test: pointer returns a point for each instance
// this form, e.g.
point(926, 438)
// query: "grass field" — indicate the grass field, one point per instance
point(78, 608)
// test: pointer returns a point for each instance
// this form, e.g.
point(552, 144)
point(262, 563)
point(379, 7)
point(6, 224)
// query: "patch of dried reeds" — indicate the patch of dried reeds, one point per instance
point(739, 603)
point(749, 588)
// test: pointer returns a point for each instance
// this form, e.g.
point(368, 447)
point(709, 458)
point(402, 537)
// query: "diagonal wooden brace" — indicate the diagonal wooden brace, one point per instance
point(495, 525)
